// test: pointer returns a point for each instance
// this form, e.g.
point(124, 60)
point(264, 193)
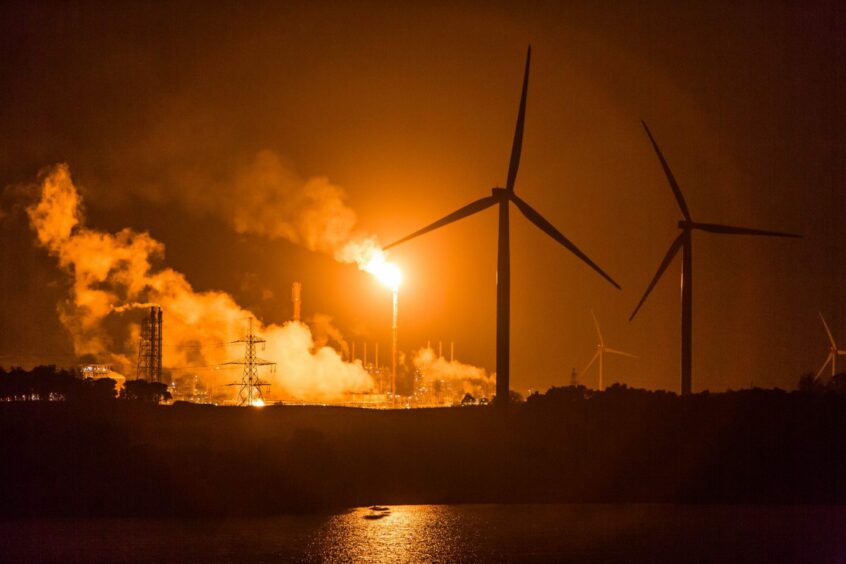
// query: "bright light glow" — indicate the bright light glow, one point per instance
point(258, 402)
point(388, 273)
point(369, 256)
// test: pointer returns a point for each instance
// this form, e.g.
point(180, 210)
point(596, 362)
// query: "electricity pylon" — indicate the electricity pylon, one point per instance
point(250, 386)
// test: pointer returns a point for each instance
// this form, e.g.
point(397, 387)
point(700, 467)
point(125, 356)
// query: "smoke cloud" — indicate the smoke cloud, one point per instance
point(472, 379)
point(114, 273)
point(327, 334)
point(268, 199)
point(265, 196)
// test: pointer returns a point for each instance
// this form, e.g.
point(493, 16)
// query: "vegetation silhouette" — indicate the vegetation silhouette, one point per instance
point(570, 444)
point(148, 392)
point(48, 383)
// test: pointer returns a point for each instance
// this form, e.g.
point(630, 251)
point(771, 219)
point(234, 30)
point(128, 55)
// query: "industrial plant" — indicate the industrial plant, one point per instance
point(433, 381)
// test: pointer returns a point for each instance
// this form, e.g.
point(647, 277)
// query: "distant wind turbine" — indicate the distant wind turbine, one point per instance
point(683, 241)
point(833, 352)
point(504, 196)
point(601, 349)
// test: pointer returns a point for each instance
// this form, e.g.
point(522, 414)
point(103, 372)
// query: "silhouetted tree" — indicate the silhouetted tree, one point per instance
point(567, 393)
point(42, 383)
point(534, 397)
point(147, 392)
point(101, 389)
point(838, 383)
point(809, 383)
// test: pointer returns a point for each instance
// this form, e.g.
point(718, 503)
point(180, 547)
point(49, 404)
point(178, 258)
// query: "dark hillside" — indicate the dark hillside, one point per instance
point(622, 445)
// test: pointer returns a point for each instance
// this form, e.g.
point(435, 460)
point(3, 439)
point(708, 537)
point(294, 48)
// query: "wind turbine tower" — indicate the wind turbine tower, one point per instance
point(684, 242)
point(503, 197)
point(833, 351)
point(599, 355)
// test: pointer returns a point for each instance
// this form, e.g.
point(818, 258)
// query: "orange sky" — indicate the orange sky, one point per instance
point(410, 109)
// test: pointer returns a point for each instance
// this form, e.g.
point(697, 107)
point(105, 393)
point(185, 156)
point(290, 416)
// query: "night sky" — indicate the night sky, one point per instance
point(410, 109)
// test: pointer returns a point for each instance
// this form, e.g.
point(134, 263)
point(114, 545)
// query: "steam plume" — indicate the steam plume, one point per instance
point(114, 272)
point(133, 305)
point(266, 197)
point(472, 379)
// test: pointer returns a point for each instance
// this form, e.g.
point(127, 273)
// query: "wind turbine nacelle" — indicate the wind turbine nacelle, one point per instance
point(500, 194)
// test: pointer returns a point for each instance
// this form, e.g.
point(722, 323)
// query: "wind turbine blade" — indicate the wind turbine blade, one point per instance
point(730, 230)
point(670, 178)
point(550, 230)
point(592, 360)
point(598, 332)
point(517, 145)
point(668, 258)
point(467, 210)
point(827, 360)
point(621, 353)
point(827, 330)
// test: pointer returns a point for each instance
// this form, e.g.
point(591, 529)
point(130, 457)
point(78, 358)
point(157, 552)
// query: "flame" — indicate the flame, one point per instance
point(387, 273)
point(370, 257)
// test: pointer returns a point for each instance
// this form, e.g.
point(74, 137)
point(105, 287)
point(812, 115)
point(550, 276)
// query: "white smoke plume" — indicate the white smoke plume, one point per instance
point(326, 334)
point(266, 197)
point(114, 272)
point(133, 305)
point(472, 379)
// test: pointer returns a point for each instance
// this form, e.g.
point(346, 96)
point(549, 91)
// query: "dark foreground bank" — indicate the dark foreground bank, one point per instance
point(122, 458)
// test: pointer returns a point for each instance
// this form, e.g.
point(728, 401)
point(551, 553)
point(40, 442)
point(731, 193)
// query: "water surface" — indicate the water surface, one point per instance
point(449, 533)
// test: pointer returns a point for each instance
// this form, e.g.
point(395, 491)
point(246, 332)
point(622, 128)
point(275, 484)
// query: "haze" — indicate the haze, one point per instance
point(159, 110)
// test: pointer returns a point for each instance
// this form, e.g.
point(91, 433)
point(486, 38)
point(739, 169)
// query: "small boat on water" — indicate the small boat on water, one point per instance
point(378, 512)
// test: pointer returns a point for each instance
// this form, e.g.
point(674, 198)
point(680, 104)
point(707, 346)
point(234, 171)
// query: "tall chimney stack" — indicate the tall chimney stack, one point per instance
point(149, 366)
point(159, 345)
point(296, 289)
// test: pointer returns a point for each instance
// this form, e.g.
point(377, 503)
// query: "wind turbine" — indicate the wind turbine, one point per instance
point(601, 349)
point(833, 352)
point(503, 197)
point(683, 241)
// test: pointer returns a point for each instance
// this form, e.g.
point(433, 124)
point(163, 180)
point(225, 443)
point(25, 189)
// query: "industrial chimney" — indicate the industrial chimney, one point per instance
point(296, 288)
point(149, 366)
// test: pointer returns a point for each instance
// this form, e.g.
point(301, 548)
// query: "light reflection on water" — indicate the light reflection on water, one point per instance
point(422, 533)
point(444, 533)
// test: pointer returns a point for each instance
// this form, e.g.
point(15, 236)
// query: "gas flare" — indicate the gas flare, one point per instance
point(370, 257)
point(387, 273)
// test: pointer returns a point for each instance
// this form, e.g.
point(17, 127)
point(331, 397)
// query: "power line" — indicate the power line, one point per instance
point(250, 386)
